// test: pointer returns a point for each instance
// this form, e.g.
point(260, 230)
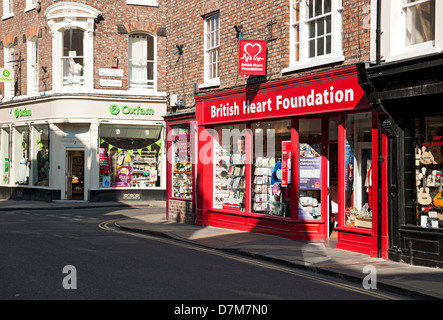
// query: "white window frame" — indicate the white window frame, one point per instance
point(148, 3)
point(153, 87)
point(32, 65)
point(65, 15)
point(30, 5)
point(8, 9)
point(211, 81)
point(304, 62)
point(393, 39)
point(9, 88)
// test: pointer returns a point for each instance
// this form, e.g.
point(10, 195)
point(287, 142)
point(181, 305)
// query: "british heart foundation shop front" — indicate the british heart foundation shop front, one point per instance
point(293, 158)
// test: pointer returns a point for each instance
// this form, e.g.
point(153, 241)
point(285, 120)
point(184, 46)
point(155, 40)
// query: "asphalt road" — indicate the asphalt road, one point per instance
point(106, 264)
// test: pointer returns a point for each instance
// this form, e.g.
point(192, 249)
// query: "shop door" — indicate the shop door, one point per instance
point(75, 169)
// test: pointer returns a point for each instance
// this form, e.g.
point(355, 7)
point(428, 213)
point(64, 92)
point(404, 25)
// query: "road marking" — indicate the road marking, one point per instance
point(105, 226)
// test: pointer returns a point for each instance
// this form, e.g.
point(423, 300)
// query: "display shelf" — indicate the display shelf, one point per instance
point(229, 179)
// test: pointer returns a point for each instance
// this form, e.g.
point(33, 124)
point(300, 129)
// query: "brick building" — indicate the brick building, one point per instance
point(82, 117)
point(308, 103)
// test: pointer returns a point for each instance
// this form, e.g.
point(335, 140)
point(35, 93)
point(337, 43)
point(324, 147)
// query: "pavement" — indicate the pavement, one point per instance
point(319, 256)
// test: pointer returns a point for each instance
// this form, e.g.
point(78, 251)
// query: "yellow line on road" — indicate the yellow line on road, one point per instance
point(266, 265)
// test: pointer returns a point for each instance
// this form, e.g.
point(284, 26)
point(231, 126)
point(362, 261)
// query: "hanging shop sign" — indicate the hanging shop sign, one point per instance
point(252, 57)
point(283, 101)
point(6, 75)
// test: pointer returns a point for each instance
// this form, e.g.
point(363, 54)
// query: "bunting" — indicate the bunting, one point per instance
point(130, 151)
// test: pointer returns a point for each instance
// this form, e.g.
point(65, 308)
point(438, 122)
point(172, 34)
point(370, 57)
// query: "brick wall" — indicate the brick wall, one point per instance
point(180, 211)
point(109, 45)
point(183, 23)
point(186, 26)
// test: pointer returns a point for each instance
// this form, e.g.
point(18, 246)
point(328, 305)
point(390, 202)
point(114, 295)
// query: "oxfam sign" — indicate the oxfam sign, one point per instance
point(114, 109)
point(22, 113)
point(6, 75)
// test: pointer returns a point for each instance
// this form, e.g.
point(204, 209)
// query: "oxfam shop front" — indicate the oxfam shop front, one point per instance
point(85, 149)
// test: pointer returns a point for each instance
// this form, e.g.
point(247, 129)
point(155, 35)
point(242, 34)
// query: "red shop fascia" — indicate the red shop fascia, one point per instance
point(318, 181)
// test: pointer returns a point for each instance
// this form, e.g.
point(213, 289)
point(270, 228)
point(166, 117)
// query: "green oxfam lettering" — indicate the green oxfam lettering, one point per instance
point(115, 109)
point(22, 113)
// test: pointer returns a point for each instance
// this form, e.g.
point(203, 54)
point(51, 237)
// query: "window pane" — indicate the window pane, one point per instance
point(21, 155)
point(428, 170)
point(358, 170)
point(40, 159)
point(320, 27)
point(320, 46)
point(73, 43)
point(181, 162)
point(311, 48)
point(141, 61)
point(229, 167)
point(129, 156)
point(309, 206)
point(5, 158)
point(420, 22)
point(327, 4)
point(271, 167)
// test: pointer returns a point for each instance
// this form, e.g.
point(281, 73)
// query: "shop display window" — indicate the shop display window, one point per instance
point(130, 156)
point(21, 160)
point(181, 162)
point(428, 169)
point(229, 167)
point(309, 201)
point(5, 157)
point(40, 158)
point(271, 169)
point(358, 170)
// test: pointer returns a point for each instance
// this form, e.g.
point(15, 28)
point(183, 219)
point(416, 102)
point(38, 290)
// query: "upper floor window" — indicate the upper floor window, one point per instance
point(315, 34)
point(32, 49)
point(420, 21)
point(72, 29)
point(142, 61)
point(30, 4)
point(411, 28)
point(72, 58)
point(212, 48)
point(8, 9)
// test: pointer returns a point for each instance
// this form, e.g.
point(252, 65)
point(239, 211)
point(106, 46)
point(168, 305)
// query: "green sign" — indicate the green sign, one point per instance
point(22, 113)
point(6, 75)
point(114, 109)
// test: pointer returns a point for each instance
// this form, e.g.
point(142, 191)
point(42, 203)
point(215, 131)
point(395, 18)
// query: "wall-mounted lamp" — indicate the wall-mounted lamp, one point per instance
point(179, 50)
point(238, 29)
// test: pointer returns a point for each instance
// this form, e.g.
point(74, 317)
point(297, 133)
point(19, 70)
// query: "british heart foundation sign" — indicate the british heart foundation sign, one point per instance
point(252, 57)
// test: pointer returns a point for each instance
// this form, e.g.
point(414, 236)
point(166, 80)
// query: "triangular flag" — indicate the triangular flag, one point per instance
point(101, 141)
point(149, 148)
point(129, 152)
point(159, 142)
point(110, 147)
point(119, 150)
point(139, 151)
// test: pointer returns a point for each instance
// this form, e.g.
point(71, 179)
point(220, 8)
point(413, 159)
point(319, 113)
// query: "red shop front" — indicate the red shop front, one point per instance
point(295, 158)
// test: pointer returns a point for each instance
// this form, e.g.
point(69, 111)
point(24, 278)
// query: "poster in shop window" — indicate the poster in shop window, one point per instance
point(104, 161)
point(286, 163)
point(310, 166)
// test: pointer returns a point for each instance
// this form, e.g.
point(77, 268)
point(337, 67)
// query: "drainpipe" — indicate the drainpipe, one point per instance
point(378, 34)
point(380, 137)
